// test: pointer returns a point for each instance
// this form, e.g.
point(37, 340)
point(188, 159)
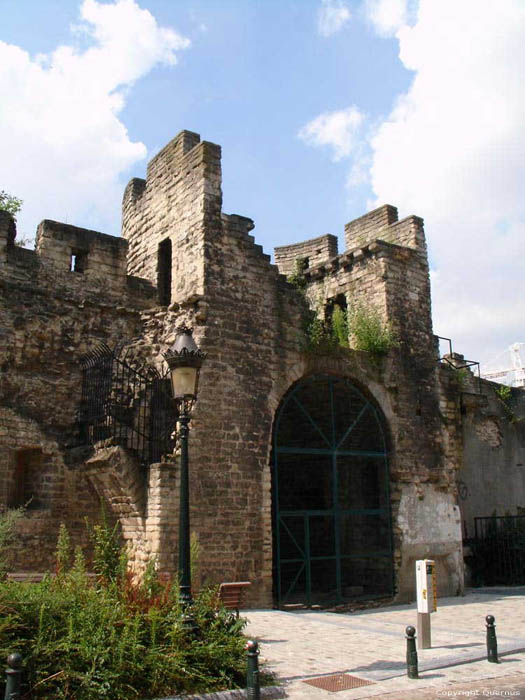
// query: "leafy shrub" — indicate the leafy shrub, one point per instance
point(369, 332)
point(10, 204)
point(297, 278)
point(504, 393)
point(340, 326)
point(112, 639)
point(8, 520)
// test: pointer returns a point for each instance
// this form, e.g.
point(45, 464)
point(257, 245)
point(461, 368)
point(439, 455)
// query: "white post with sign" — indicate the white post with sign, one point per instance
point(426, 599)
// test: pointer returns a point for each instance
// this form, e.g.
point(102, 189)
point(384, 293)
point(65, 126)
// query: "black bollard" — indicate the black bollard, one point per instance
point(13, 677)
point(492, 642)
point(411, 652)
point(253, 690)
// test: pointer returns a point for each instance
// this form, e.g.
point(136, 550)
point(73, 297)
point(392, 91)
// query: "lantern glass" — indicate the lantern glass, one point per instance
point(184, 381)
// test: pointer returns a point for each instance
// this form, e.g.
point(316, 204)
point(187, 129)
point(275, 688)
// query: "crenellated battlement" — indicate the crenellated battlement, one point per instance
point(80, 250)
point(314, 251)
point(172, 155)
point(378, 225)
point(383, 223)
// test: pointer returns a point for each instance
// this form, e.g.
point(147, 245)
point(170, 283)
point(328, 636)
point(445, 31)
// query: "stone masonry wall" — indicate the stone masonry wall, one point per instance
point(490, 445)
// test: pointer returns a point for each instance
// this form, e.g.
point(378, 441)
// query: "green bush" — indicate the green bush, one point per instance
point(340, 326)
point(112, 639)
point(8, 520)
point(297, 278)
point(369, 332)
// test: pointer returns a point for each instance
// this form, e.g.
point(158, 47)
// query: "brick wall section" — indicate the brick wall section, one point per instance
point(51, 316)
point(249, 358)
point(67, 496)
point(317, 250)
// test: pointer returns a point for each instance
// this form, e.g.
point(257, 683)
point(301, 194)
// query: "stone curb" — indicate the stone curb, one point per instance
point(272, 691)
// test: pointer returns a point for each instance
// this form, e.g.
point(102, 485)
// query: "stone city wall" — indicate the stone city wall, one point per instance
point(187, 262)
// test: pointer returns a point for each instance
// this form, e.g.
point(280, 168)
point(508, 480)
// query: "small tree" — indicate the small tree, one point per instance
point(10, 204)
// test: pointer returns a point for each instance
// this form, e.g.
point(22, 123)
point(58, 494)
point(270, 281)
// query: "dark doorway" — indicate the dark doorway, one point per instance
point(28, 484)
point(164, 272)
point(332, 530)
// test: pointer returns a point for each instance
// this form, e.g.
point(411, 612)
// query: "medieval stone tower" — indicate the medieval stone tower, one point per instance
point(318, 474)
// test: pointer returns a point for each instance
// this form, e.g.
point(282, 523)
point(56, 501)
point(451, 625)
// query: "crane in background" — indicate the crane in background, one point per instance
point(513, 371)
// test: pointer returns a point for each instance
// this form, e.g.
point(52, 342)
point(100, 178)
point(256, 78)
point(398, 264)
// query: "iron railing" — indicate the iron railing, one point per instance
point(498, 550)
point(458, 365)
point(130, 404)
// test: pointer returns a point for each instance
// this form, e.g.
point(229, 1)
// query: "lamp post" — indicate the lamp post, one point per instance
point(184, 361)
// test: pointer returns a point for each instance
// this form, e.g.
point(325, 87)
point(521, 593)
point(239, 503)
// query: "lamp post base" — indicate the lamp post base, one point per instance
point(186, 606)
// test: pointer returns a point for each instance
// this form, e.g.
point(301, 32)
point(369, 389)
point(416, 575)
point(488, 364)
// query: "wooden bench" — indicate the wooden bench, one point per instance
point(230, 594)
point(27, 576)
point(37, 576)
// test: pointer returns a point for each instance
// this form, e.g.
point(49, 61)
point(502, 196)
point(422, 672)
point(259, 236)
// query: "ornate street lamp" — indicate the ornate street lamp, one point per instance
point(184, 361)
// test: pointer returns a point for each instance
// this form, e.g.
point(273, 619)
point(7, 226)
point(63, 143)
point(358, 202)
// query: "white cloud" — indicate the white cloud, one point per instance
point(339, 130)
point(333, 15)
point(63, 144)
point(387, 16)
point(453, 151)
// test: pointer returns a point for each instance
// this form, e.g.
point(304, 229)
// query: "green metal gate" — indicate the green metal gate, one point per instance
point(332, 529)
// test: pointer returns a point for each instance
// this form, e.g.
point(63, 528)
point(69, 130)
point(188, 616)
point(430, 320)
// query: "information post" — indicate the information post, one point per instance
point(426, 600)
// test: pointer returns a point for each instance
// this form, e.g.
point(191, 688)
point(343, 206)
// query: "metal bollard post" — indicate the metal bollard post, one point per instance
point(411, 652)
point(492, 642)
point(13, 677)
point(253, 690)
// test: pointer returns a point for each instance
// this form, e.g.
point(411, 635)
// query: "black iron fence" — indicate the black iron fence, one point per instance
point(130, 404)
point(498, 550)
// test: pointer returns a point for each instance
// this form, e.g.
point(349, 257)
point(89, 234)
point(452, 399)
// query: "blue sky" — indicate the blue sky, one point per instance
point(324, 109)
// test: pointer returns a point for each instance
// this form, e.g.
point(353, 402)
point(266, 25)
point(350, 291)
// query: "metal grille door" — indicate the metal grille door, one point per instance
point(332, 530)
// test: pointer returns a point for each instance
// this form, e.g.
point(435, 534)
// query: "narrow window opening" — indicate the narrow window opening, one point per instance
point(164, 272)
point(331, 304)
point(336, 319)
point(78, 261)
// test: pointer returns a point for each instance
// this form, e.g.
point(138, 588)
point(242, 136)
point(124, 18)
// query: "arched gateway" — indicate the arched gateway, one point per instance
point(332, 530)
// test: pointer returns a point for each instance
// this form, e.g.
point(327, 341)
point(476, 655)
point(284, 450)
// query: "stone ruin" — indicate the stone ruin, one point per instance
point(319, 476)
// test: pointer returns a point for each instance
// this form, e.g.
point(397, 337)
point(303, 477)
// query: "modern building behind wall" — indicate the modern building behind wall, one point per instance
point(320, 475)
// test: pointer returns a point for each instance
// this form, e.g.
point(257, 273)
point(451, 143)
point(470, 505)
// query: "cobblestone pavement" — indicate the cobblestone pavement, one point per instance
point(370, 645)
